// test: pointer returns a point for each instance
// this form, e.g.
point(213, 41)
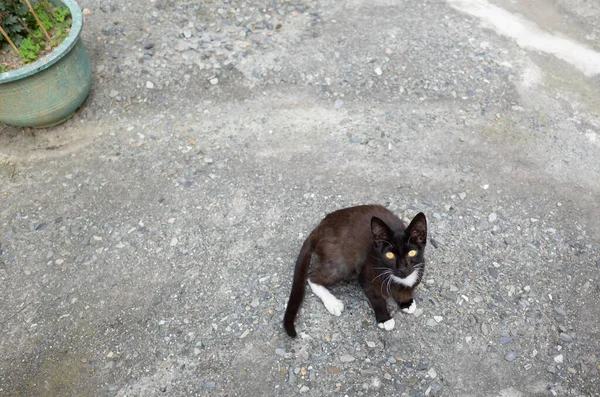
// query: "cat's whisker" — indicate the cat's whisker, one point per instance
point(381, 274)
point(381, 286)
point(385, 282)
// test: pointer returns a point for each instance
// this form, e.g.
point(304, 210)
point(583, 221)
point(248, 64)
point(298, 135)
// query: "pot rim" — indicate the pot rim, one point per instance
point(57, 53)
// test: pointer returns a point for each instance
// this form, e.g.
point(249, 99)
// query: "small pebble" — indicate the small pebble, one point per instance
point(484, 329)
point(346, 358)
point(209, 385)
point(558, 359)
point(304, 389)
point(565, 337)
point(214, 81)
point(492, 217)
point(462, 195)
point(378, 71)
point(399, 387)
point(149, 84)
point(432, 374)
point(510, 356)
point(376, 383)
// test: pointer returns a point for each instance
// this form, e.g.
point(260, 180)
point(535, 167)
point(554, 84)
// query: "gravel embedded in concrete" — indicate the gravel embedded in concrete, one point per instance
point(147, 245)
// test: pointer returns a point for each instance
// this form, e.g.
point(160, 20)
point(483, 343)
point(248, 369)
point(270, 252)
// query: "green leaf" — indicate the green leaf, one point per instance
point(61, 14)
point(28, 50)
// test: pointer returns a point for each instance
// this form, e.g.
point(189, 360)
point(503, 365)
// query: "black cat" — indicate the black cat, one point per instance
point(368, 242)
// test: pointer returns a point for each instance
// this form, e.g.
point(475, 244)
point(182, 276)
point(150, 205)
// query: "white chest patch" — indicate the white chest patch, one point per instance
point(409, 280)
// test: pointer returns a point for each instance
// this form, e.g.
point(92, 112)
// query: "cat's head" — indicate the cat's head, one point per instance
point(402, 251)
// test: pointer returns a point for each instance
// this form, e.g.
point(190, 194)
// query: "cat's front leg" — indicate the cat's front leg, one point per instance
point(379, 305)
point(409, 307)
point(404, 299)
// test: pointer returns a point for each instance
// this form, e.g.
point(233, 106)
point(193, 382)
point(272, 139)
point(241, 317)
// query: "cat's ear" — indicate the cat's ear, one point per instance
point(417, 230)
point(381, 231)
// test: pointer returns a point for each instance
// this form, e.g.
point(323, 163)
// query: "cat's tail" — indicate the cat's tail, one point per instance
point(298, 285)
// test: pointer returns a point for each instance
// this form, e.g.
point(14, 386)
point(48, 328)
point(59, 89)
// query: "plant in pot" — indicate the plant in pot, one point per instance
point(45, 73)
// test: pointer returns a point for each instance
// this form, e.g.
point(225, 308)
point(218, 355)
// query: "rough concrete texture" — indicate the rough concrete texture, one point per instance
point(147, 244)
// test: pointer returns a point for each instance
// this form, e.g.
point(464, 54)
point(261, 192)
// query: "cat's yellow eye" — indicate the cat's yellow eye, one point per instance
point(389, 255)
point(412, 252)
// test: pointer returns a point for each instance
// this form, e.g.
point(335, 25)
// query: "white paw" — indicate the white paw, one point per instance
point(411, 309)
point(334, 305)
point(388, 325)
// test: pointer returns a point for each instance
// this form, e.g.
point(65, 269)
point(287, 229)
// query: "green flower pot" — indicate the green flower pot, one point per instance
point(49, 90)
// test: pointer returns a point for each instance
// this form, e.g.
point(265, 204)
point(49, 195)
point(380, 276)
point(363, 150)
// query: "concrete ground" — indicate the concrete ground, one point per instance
point(147, 244)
